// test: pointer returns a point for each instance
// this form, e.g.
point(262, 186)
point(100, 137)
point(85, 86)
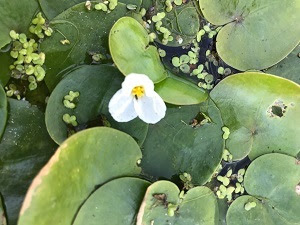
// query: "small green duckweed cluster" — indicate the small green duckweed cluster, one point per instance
point(250, 205)
point(28, 58)
point(107, 6)
point(186, 178)
point(161, 30)
point(227, 156)
point(232, 185)
point(226, 133)
point(69, 102)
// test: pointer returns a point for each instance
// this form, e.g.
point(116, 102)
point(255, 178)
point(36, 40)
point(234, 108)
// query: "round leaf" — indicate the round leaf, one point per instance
point(24, 148)
point(87, 32)
point(89, 158)
point(116, 202)
point(272, 180)
point(198, 206)
point(3, 110)
point(172, 146)
point(261, 112)
point(96, 86)
point(250, 39)
point(131, 52)
point(289, 67)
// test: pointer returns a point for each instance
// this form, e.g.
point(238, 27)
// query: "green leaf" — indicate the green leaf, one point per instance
point(131, 52)
point(3, 220)
point(261, 112)
point(5, 61)
point(271, 180)
point(96, 86)
point(289, 67)
point(250, 39)
point(15, 15)
point(116, 202)
point(198, 206)
point(178, 91)
point(87, 32)
point(52, 8)
point(3, 110)
point(172, 146)
point(24, 148)
point(89, 158)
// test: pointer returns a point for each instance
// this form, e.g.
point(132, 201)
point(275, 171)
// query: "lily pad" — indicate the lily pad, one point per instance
point(3, 110)
point(197, 206)
point(2, 213)
point(172, 146)
point(52, 8)
point(178, 91)
point(289, 67)
point(87, 32)
point(262, 113)
point(131, 52)
point(116, 202)
point(24, 148)
point(89, 158)
point(96, 86)
point(250, 39)
point(15, 15)
point(271, 180)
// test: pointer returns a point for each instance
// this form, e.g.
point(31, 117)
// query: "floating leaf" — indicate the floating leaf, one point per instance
point(271, 180)
point(178, 91)
point(116, 202)
point(3, 110)
point(15, 15)
point(289, 67)
point(131, 52)
point(24, 148)
point(87, 32)
point(96, 86)
point(172, 146)
point(250, 39)
point(89, 158)
point(163, 204)
point(261, 112)
point(53, 8)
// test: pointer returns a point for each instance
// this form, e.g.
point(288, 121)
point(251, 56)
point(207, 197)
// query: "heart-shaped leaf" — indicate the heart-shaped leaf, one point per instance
point(163, 204)
point(262, 113)
point(89, 158)
point(289, 67)
point(250, 38)
point(24, 148)
point(131, 52)
point(174, 145)
point(96, 86)
point(116, 202)
point(87, 32)
point(273, 180)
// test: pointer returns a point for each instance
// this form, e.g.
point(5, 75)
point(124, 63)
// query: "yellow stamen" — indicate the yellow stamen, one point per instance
point(138, 91)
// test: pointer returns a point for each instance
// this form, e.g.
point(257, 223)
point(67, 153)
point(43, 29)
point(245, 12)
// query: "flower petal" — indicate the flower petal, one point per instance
point(121, 107)
point(134, 79)
point(150, 109)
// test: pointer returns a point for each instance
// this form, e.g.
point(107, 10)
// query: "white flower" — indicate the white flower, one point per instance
point(137, 98)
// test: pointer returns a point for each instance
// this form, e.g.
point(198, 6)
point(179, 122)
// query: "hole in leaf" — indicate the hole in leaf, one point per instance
point(277, 110)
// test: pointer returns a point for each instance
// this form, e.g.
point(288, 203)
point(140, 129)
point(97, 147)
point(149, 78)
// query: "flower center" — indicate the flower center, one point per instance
point(138, 91)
